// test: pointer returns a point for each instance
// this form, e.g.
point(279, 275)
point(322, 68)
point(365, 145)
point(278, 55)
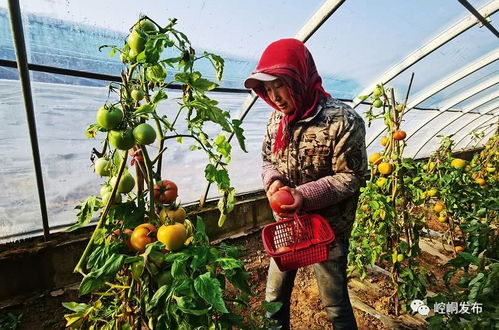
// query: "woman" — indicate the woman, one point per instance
point(314, 148)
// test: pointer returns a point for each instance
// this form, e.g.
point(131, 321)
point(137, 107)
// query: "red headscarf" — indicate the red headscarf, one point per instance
point(291, 61)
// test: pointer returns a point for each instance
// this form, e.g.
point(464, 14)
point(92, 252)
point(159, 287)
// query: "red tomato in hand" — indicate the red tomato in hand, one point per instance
point(279, 198)
point(165, 192)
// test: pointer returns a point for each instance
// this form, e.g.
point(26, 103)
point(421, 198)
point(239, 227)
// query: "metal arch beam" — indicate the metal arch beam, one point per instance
point(482, 20)
point(311, 26)
point(440, 40)
point(442, 127)
point(453, 78)
point(471, 107)
point(16, 26)
point(450, 80)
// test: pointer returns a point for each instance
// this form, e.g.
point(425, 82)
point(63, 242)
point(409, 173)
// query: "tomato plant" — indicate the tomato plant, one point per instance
point(384, 231)
point(140, 268)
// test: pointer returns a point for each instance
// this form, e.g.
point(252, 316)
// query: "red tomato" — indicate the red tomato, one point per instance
point(165, 192)
point(142, 235)
point(279, 198)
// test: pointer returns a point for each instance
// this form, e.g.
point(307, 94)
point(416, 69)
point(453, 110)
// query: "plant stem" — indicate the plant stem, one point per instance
point(150, 178)
point(79, 266)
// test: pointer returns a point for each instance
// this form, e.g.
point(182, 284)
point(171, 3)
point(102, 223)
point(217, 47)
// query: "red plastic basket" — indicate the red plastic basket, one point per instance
point(298, 242)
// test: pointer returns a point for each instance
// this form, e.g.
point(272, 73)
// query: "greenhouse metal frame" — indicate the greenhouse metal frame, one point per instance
point(325, 12)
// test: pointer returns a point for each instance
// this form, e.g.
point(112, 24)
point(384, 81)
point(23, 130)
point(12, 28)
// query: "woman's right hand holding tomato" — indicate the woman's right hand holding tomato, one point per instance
point(275, 186)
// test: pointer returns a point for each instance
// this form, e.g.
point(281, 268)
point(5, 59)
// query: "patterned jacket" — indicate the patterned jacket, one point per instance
point(325, 160)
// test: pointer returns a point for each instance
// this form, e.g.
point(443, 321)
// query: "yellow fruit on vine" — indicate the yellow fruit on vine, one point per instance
point(438, 207)
point(431, 165)
point(176, 215)
point(458, 249)
point(375, 158)
point(400, 107)
point(400, 257)
point(458, 163)
point(442, 219)
point(385, 168)
point(172, 236)
point(432, 192)
point(384, 141)
point(364, 207)
point(481, 181)
point(491, 169)
point(377, 92)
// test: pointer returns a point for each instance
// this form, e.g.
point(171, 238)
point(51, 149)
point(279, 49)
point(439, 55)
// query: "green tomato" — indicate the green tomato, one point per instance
point(377, 103)
point(136, 42)
point(400, 257)
point(122, 140)
point(145, 25)
point(144, 134)
point(137, 95)
point(377, 92)
point(132, 54)
point(107, 196)
point(126, 184)
point(105, 189)
point(109, 118)
point(102, 167)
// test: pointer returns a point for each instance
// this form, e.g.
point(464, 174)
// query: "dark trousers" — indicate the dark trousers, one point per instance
point(332, 281)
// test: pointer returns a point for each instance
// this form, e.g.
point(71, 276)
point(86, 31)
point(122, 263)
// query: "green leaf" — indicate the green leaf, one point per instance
point(144, 109)
point(206, 110)
point(110, 267)
point(186, 288)
point(200, 257)
point(156, 73)
point(204, 85)
point(223, 147)
point(238, 131)
point(239, 278)
point(469, 257)
point(90, 283)
point(179, 268)
point(76, 307)
point(159, 96)
point(187, 305)
point(477, 278)
point(229, 263)
point(209, 289)
point(86, 211)
point(271, 307)
point(92, 129)
point(157, 297)
point(218, 64)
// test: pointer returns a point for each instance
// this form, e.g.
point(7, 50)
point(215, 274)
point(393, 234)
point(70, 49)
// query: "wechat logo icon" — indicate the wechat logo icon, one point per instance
point(418, 306)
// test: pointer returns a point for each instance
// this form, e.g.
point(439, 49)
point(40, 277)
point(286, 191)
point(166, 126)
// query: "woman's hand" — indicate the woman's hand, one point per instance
point(275, 186)
point(291, 209)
